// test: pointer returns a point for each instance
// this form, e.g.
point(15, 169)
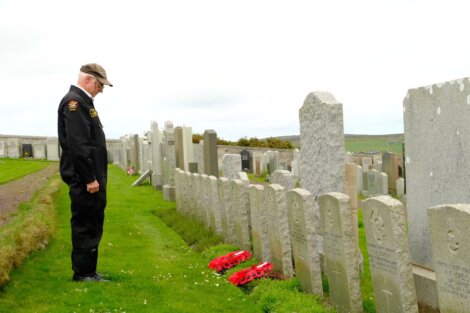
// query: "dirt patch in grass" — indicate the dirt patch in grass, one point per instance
point(22, 190)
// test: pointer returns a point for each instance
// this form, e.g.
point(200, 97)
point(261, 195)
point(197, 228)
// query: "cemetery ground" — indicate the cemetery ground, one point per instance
point(151, 268)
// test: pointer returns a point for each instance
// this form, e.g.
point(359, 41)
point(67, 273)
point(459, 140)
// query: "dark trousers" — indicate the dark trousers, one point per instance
point(87, 225)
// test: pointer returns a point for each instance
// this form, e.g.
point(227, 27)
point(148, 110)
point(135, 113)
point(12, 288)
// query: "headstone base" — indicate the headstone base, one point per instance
point(169, 193)
point(426, 289)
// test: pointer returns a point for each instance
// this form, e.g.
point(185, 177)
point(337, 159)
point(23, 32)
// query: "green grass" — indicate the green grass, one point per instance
point(366, 280)
point(11, 169)
point(268, 295)
point(362, 143)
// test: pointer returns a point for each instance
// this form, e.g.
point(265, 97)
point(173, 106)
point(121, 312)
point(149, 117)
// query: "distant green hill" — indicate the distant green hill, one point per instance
point(363, 143)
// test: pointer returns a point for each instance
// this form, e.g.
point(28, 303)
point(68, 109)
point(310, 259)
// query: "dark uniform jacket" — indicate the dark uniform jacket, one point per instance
point(84, 156)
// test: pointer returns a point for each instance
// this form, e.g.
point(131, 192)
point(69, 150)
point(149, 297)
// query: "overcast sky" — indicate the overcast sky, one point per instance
point(242, 68)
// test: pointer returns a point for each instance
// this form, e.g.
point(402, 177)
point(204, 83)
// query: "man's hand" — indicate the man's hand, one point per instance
point(93, 187)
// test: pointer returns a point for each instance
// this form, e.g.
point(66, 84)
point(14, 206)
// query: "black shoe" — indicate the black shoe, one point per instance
point(95, 277)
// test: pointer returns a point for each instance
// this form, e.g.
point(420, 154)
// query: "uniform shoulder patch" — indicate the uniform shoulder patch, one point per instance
point(73, 105)
point(93, 113)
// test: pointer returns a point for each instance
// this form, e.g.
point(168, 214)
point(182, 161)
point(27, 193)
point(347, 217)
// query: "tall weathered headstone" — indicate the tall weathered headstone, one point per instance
point(211, 162)
point(435, 114)
point(179, 148)
point(157, 177)
point(339, 227)
point(305, 250)
point(449, 231)
point(216, 222)
point(322, 142)
point(225, 207)
point(170, 150)
point(277, 228)
point(389, 255)
point(188, 155)
point(366, 164)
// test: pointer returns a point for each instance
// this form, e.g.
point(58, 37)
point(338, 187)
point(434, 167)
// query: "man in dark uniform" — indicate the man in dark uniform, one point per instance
point(83, 167)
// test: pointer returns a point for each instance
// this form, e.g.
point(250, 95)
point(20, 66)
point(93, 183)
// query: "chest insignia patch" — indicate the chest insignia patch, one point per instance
point(73, 105)
point(93, 113)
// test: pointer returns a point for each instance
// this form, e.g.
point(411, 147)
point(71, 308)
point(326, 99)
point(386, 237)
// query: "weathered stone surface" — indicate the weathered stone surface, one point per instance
point(449, 231)
point(241, 213)
point(350, 184)
point(211, 161)
point(258, 223)
point(435, 120)
point(400, 184)
point(188, 155)
point(339, 227)
point(389, 255)
point(284, 178)
point(155, 146)
point(359, 179)
point(305, 251)
point(178, 187)
point(196, 196)
point(52, 150)
point(170, 163)
point(225, 207)
point(39, 151)
point(231, 165)
point(179, 148)
point(168, 193)
point(382, 184)
point(277, 228)
point(366, 164)
point(322, 142)
point(216, 222)
point(205, 199)
point(372, 177)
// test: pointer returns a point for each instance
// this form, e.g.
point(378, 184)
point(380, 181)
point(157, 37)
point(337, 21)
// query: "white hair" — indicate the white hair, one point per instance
point(82, 75)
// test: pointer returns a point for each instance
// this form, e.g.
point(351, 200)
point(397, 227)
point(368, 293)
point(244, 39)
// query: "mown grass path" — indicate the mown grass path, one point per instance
point(11, 169)
point(151, 268)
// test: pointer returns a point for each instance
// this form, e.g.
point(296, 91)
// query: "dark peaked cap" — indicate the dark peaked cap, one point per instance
point(97, 71)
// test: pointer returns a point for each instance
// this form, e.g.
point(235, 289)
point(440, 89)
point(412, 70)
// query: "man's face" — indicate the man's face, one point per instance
point(93, 86)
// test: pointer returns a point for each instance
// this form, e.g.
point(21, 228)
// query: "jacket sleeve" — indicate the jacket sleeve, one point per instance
point(79, 142)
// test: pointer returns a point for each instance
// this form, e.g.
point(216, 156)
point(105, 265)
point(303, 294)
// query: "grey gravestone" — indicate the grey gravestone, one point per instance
point(142, 178)
point(179, 148)
point(155, 146)
point(178, 190)
point(241, 212)
point(171, 154)
point(382, 184)
point(196, 184)
point(211, 162)
point(435, 120)
point(284, 178)
point(389, 255)
point(366, 164)
point(449, 231)
point(339, 227)
point(258, 223)
point(305, 250)
point(359, 179)
point(231, 165)
point(350, 184)
point(365, 183)
point(188, 155)
point(168, 193)
point(278, 229)
point(225, 206)
point(322, 142)
point(205, 199)
point(372, 177)
point(400, 184)
point(216, 223)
